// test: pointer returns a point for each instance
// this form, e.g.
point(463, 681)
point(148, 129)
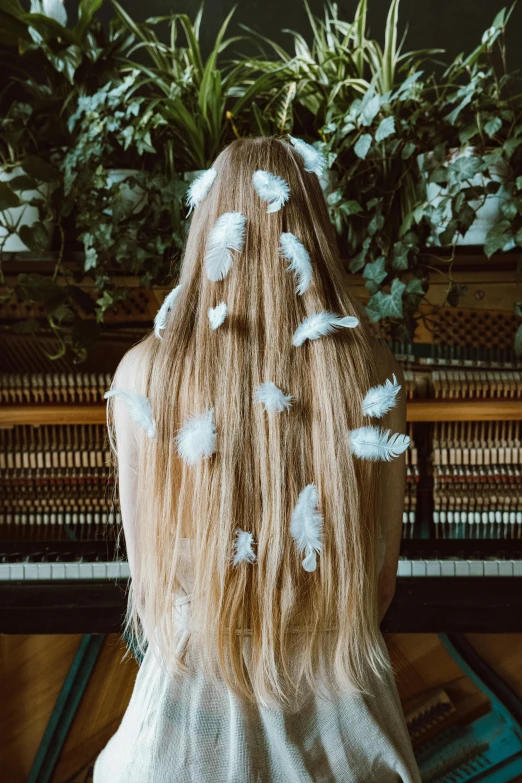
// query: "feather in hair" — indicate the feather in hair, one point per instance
point(320, 324)
point(295, 252)
point(380, 399)
point(271, 188)
point(314, 160)
point(196, 440)
point(228, 234)
point(138, 406)
point(274, 400)
point(243, 552)
point(374, 443)
point(306, 526)
point(199, 188)
point(216, 315)
point(160, 321)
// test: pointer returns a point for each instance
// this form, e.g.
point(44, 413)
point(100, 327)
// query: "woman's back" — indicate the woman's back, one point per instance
point(258, 482)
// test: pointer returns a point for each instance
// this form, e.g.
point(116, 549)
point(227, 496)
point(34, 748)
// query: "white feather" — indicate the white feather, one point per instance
point(373, 443)
point(243, 551)
point(379, 399)
point(160, 321)
point(306, 526)
point(274, 400)
point(196, 440)
point(320, 324)
point(314, 160)
point(138, 406)
point(216, 315)
point(227, 235)
point(295, 252)
point(271, 188)
point(199, 188)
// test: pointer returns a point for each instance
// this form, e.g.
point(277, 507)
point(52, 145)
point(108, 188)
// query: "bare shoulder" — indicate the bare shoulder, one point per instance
point(132, 371)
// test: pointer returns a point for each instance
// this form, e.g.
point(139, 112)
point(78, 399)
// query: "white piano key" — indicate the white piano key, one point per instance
point(85, 570)
point(99, 570)
point(476, 567)
point(505, 568)
point(490, 567)
point(44, 570)
point(113, 570)
point(418, 568)
point(30, 571)
point(5, 572)
point(433, 568)
point(447, 567)
point(517, 567)
point(17, 571)
point(72, 570)
point(461, 567)
point(58, 571)
point(404, 568)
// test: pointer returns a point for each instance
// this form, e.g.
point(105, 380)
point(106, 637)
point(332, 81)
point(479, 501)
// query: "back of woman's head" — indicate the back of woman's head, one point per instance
point(253, 464)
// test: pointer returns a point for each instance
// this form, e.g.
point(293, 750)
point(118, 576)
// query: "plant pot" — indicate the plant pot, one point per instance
point(26, 214)
point(488, 213)
point(133, 195)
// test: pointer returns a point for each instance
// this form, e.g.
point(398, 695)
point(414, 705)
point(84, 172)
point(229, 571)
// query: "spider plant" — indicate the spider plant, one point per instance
point(203, 101)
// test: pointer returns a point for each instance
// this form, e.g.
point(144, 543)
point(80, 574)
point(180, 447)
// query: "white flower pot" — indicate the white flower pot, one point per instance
point(133, 195)
point(488, 213)
point(24, 215)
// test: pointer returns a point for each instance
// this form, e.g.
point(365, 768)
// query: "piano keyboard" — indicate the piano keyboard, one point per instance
point(119, 569)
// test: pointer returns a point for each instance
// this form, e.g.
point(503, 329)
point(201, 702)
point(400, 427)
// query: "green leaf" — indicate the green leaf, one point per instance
point(358, 262)
point(35, 237)
point(376, 270)
point(39, 170)
point(408, 150)
point(350, 207)
point(22, 182)
point(518, 309)
point(91, 259)
point(519, 182)
point(497, 237)
point(492, 126)
point(375, 224)
point(414, 286)
point(508, 209)
point(369, 112)
point(400, 256)
point(510, 145)
point(8, 199)
point(457, 290)
point(386, 128)
point(362, 145)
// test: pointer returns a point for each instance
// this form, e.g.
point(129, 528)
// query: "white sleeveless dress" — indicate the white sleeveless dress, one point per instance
point(187, 729)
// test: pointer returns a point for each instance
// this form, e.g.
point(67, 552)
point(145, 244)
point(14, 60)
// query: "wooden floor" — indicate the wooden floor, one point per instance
point(33, 669)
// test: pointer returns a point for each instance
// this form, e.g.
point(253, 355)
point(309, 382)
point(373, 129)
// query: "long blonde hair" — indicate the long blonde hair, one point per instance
point(262, 461)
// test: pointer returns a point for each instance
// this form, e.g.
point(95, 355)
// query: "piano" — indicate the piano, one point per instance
point(62, 556)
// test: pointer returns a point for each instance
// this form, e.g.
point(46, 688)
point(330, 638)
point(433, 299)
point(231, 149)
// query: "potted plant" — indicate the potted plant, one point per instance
point(470, 176)
point(126, 201)
point(27, 180)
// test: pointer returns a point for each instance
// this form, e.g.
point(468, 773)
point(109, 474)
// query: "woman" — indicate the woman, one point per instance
point(261, 493)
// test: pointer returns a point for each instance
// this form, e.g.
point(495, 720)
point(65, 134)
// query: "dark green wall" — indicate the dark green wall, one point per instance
point(455, 25)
